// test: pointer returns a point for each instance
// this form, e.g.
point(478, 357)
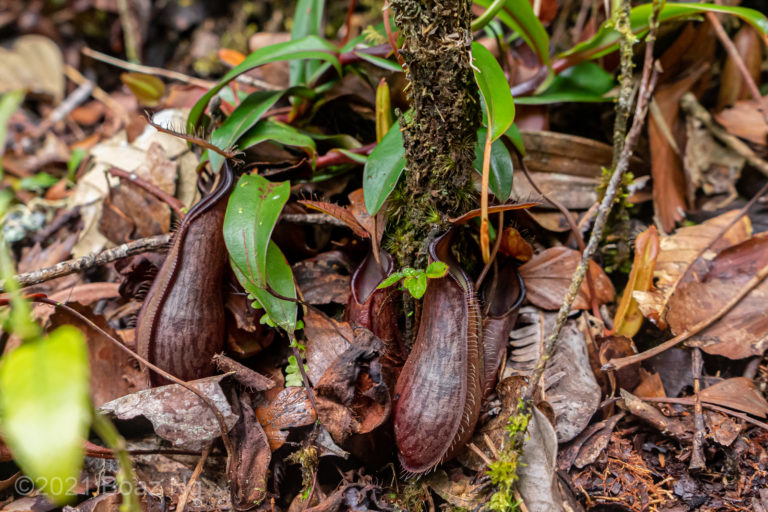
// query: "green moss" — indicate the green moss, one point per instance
point(503, 472)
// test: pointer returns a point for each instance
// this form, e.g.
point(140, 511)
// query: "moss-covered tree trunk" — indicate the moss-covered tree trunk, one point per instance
point(440, 136)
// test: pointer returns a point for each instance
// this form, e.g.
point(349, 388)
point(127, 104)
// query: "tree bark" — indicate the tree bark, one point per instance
point(441, 133)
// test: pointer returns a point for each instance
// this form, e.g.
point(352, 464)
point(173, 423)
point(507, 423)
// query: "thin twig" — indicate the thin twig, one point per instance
point(571, 224)
point(304, 376)
point(207, 401)
point(193, 479)
point(733, 53)
point(128, 24)
point(176, 205)
point(97, 92)
point(172, 75)
point(689, 401)
point(78, 96)
point(754, 281)
point(152, 243)
point(693, 108)
point(390, 36)
point(698, 462)
point(348, 22)
point(647, 84)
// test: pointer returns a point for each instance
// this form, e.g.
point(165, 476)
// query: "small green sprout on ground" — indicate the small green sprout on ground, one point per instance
point(503, 471)
point(415, 280)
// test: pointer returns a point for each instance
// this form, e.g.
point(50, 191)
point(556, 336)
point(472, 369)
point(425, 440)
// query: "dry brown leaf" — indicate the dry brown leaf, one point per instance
point(34, 63)
point(678, 252)
point(567, 383)
point(327, 339)
point(291, 408)
point(324, 279)
point(352, 397)
point(113, 372)
point(669, 186)
point(548, 274)
point(743, 330)
point(745, 120)
point(732, 85)
point(177, 414)
point(737, 393)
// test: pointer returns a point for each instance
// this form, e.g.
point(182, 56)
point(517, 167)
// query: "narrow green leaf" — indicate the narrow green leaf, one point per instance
point(310, 47)
point(148, 89)
point(389, 65)
point(46, 409)
point(390, 280)
point(38, 182)
point(247, 114)
point(519, 16)
point(276, 131)
point(494, 89)
point(606, 40)
point(307, 21)
point(383, 168)
point(436, 269)
point(282, 312)
point(585, 83)
point(514, 136)
point(252, 212)
point(9, 103)
point(500, 180)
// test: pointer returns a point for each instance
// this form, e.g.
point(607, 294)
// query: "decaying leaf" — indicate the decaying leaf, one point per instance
point(568, 383)
point(746, 120)
point(548, 274)
point(628, 318)
point(743, 330)
point(327, 339)
point(291, 408)
point(113, 372)
point(324, 279)
point(738, 393)
point(177, 414)
point(352, 397)
point(678, 251)
point(250, 461)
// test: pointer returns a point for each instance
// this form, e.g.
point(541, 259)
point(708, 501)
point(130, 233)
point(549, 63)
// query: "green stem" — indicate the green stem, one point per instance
point(125, 477)
point(488, 15)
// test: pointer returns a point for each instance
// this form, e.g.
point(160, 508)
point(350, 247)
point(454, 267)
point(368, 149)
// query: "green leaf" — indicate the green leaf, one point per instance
point(293, 373)
point(46, 408)
point(75, 159)
point(355, 157)
point(304, 48)
point(606, 40)
point(38, 182)
point(501, 166)
point(514, 136)
point(240, 121)
point(281, 312)
point(148, 89)
point(307, 21)
point(494, 89)
point(252, 212)
point(390, 280)
point(519, 16)
point(416, 285)
point(382, 170)
point(585, 83)
point(9, 103)
point(276, 131)
point(389, 65)
point(436, 269)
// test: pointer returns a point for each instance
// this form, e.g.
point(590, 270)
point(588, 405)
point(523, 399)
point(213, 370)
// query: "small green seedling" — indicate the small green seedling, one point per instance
point(415, 280)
